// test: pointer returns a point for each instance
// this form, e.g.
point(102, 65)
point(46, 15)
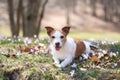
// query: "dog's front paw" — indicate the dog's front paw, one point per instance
point(57, 65)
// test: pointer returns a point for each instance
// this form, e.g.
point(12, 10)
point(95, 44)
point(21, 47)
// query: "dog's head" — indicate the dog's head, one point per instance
point(58, 37)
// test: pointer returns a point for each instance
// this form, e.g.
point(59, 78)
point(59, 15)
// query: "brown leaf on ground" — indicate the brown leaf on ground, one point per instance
point(27, 49)
point(95, 59)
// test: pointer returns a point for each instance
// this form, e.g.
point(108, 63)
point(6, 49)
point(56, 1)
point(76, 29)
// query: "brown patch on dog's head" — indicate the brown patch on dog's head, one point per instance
point(49, 30)
point(65, 30)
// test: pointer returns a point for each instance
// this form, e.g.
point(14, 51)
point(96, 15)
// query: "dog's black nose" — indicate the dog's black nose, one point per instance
point(57, 44)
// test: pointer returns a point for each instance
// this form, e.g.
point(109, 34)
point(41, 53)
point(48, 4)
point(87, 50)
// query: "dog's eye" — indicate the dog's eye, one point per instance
point(61, 37)
point(53, 37)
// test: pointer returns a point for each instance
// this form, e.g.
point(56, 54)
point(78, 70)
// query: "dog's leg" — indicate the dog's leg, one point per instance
point(67, 61)
point(56, 60)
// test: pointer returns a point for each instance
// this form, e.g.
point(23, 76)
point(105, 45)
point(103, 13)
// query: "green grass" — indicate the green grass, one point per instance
point(39, 67)
point(73, 33)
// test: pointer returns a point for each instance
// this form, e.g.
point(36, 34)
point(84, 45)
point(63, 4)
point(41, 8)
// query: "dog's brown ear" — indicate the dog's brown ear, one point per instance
point(49, 30)
point(66, 29)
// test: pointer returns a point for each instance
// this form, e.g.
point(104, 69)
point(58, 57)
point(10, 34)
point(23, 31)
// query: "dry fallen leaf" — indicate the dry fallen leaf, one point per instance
point(27, 49)
point(10, 55)
point(95, 59)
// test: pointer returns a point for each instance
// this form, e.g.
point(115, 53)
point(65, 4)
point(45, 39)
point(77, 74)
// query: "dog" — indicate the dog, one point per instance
point(65, 49)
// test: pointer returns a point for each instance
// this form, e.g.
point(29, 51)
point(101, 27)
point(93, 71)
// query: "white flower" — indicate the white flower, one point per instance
point(83, 69)
point(36, 41)
point(74, 65)
point(72, 73)
point(18, 53)
point(41, 38)
point(36, 52)
point(115, 64)
point(1, 38)
point(40, 44)
point(31, 50)
point(93, 53)
point(103, 42)
point(85, 56)
point(9, 39)
point(100, 54)
point(35, 36)
point(111, 54)
point(117, 52)
point(14, 36)
point(104, 51)
point(27, 41)
point(19, 39)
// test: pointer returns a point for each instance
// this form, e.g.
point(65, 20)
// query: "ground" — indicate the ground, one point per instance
point(29, 59)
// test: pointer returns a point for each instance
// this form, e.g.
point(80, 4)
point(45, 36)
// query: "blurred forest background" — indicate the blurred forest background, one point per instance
point(30, 16)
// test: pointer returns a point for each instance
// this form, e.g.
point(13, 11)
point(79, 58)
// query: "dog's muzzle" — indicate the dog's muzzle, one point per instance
point(57, 46)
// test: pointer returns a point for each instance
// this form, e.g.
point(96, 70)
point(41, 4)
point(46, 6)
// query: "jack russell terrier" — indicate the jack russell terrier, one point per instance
point(65, 49)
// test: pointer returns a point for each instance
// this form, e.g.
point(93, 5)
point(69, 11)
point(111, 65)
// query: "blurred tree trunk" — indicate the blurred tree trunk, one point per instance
point(67, 4)
point(93, 4)
point(24, 23)
point(32, 17)
point(67, 16)
point(105, 8)
point(13, 26)
point(19, 10)
point(41, 15)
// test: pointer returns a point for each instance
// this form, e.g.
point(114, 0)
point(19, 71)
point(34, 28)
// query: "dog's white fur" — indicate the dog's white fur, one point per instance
point(67, 52)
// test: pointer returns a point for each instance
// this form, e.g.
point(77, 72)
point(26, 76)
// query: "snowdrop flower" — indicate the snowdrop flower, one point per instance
point(36, 52)
point(100, 55)
point(111, 54)
point(18, 53)
point(93, 53)
point(42, 51)
point(41, 38)
point(19, 39)
point(83, 69)
point(74, 65)
point(40, 44)
point(104, 51)
point(14, 36)
point(104, 42)
point(35, 36)
point(9, 39)
point(27, 41)
point(115, 64)
point(36, 41)
point(72, 73)
point(114, 42)
point(31, 50)
point(100, 50)
point(1, 38)
point(46, 39)
point(12, 41)
point(85, 56)
point(117, 52)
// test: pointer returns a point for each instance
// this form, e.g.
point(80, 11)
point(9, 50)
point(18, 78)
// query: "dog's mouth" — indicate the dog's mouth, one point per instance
point(57, 48)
